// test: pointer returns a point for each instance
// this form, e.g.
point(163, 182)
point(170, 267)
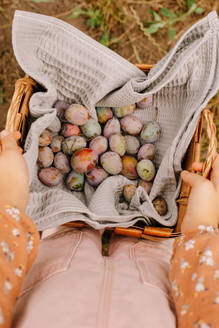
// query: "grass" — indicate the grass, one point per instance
point(142, 31)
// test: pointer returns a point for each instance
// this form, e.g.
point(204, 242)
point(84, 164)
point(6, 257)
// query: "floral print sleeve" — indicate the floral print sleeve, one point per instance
point(19, 241)
point(194, 276)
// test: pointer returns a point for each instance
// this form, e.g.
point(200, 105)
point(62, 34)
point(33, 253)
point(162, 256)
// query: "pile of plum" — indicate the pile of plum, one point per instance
point(76, 147)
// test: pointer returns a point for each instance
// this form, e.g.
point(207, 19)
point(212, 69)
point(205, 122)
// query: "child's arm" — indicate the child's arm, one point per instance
point(194, 272)
point(19, 241)
point(19, 237)
point(195, 278)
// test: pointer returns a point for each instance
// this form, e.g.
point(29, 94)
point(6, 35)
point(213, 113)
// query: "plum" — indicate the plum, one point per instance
point(99, 145)
point(96, 176)
point(91, 128)
point(69, 130)
point(45, 157)
point(111, 127)
point(147, 151)
point(131, 124)
point(56, 143)
point(61, 106)
point(71, 144)
point(129, 164)
point(117, 144)
point(144, 103)
point(84, 160)
point(75, 181)
point(146, 185)
point(150, 132)
point(45, 138)
point(111, 162)
point(77, 114)
point(128, 192)
point(132, 144)
point(50, 176)
point(146, 169)
point(61, 162)
point(55, 126)
point(160, 205)
point(104, 114)
point(125, 110)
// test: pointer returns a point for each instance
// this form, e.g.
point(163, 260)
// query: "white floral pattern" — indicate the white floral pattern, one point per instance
point(217, 298)
point(184, 309)
point(183, 264)
point(18, 271)
point(216, 274)
point(1, 317)
point(189, 244)
point(181, 239)
point(206, 228)
point(8, 286)
point(14, 212)
point(7, 252)
point(15, 232)
point(200, 286)
point(201, 324)
point(207, 257)
point(29, 242)
point(194, 276)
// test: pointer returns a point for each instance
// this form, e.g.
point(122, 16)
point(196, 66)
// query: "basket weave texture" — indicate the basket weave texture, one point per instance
point(71, 66)
point(17, 120)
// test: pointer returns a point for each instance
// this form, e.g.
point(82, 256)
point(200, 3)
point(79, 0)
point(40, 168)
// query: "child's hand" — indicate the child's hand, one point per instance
point(14, 181)
point(203, 202)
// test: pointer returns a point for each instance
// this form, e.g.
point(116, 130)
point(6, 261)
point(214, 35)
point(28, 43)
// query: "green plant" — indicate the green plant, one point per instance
point(1, 8)
point(167, 18)
point(95, 19)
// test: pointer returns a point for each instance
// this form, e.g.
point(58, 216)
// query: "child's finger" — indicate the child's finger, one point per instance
point(17, 135)
point(192, 179)
point(197, 166)
point(8, 141)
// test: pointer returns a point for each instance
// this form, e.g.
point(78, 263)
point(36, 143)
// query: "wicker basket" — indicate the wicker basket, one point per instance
point(17, 120)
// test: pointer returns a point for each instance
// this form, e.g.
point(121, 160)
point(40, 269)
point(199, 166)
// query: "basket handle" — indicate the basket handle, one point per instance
point(193, 155)
point(212, 148)
point(18, 110)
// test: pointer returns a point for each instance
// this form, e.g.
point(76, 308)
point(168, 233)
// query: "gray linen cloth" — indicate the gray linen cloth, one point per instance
point(74, 67)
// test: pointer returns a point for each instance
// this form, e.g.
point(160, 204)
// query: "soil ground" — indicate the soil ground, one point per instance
point(121, 22)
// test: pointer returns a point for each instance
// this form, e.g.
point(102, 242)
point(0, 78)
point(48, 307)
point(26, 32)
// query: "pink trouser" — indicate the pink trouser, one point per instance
point(72, 285)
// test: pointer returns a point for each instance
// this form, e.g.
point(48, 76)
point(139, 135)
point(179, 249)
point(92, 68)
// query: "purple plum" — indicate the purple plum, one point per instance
point(75, 181)
point(131, 124)
point(128, 192)
point(77, 114)
point(96, 176)
point(84, 160)
point(150, 132)
point(104, 114)
point(132, 144)
point(61, 163)
point(99, 145)
point(111, 162)
point(45, 157)
point(147, 151)
point(50, 176)
point(117, 144)
point(146, 169)
point(111, 127)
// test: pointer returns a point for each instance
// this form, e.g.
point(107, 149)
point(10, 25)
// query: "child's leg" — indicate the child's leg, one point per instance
point(137, 284)
point(64, 285)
